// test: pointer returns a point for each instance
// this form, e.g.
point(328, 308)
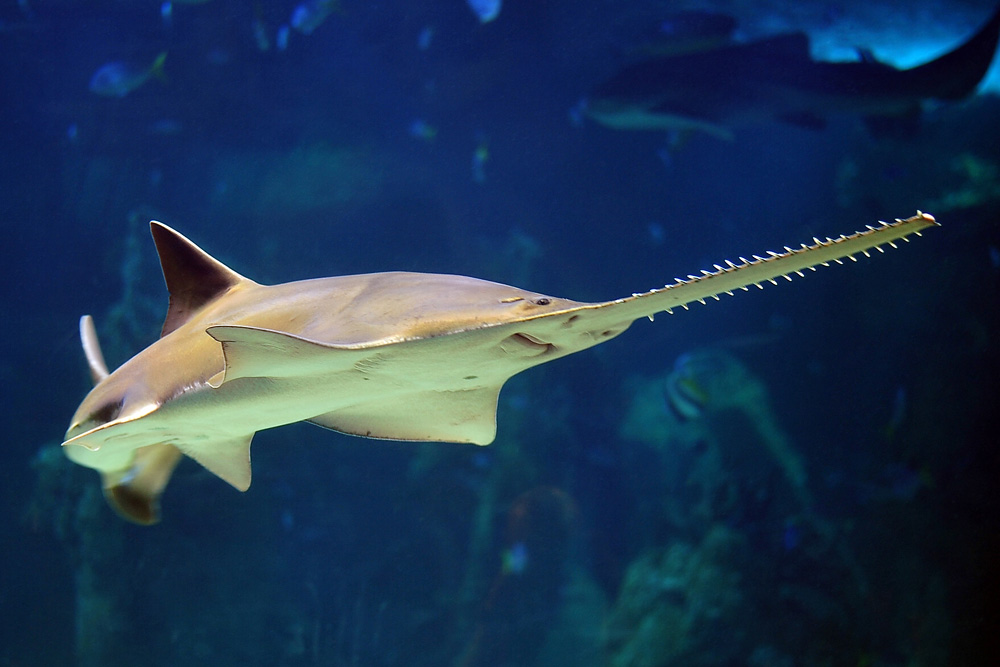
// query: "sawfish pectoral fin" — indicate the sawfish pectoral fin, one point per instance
point(135, 493)
point(256, 352)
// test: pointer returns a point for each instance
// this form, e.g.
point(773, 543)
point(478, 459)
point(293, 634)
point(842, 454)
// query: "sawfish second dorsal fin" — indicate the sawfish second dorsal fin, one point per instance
point(194, 278)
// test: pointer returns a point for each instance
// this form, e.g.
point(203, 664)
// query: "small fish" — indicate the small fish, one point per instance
point(281, 38)
point(480, 157)
point(167, 14)
point(898, 413)
point(791, 536)
point(578, 112)
point(657, 233)
point(486, 10)
point(118, 79)
point(896, 482)
point(514, 559)
point(166, 127)
point(902, 481)
point(424, 38)
point(422, 130)
point(259, 28)
point(684, 395)
point(309, 15)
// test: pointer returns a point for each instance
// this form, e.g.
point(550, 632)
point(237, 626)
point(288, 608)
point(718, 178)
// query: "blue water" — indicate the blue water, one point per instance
point(601, 528)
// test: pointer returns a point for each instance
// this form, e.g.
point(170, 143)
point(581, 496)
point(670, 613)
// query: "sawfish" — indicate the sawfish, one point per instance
point(397, 355)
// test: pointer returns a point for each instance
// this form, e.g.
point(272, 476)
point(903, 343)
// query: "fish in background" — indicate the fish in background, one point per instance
point(486, 10)
point(167, 10)
point(309, 15)
point(684, 392)
point(716, 90)
point(480, 156)
point(422, 130)
point(118, 79)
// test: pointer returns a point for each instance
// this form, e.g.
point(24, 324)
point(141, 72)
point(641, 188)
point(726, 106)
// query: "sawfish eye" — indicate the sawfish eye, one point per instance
point(542, 301)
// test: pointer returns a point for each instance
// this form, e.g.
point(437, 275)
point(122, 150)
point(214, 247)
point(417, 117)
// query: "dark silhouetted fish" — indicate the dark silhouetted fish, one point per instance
point(717, 90)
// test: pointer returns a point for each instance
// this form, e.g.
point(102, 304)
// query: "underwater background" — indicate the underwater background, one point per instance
point(802, 475)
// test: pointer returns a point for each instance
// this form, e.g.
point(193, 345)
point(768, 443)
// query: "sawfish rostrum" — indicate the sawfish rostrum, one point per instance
point(403, 356)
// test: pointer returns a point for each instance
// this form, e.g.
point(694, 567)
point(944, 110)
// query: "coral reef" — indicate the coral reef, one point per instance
point(721, 386)
point(95, 540)
point(675, 602)
point(951, 166)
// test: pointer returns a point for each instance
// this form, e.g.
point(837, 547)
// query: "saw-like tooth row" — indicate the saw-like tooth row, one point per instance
point(731, 265)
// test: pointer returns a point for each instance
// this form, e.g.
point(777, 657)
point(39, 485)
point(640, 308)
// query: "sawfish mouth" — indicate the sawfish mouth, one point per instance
point(527, 343)
point(81, 439)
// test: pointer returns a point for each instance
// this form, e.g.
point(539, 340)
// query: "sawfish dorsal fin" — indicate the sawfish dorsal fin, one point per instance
point(194, 278)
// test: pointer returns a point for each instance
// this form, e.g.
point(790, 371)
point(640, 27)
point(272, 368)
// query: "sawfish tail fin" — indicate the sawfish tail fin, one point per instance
point(758, 270)
point(956, 74)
